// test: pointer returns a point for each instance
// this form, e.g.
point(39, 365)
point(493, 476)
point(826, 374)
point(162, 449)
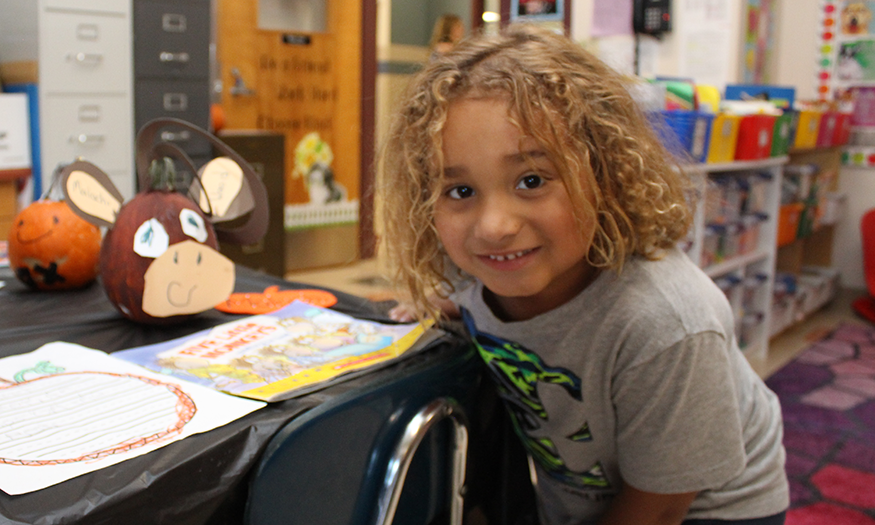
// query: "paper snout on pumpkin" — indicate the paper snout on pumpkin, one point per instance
point(188, 278)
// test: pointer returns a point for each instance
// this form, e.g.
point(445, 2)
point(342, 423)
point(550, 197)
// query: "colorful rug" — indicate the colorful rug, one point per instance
point(828, 398)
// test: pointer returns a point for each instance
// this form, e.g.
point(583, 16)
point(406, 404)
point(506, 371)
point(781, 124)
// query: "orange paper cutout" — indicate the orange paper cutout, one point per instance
point(273, 299)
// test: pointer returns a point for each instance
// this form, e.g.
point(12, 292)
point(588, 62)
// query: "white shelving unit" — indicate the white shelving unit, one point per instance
point(746, 273)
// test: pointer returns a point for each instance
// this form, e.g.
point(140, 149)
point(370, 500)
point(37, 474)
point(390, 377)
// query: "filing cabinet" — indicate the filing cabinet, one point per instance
point(171, 68)
point(83, 51)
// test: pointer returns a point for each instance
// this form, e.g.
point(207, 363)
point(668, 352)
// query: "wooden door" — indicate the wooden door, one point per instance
point(296, 83)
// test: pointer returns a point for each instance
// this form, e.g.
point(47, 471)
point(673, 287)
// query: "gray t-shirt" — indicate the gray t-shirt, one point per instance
point(638, 378)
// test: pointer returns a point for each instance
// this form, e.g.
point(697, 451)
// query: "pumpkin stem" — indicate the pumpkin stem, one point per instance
point(162, 173)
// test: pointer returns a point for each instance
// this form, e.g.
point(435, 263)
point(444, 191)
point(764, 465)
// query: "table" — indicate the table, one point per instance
point(199, 480)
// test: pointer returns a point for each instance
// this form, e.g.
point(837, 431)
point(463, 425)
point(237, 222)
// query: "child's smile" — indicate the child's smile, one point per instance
point(504, 215)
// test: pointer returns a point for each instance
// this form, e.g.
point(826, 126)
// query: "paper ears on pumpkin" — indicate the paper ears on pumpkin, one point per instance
point(217, 178)
point(227, 187)
point(90, 193)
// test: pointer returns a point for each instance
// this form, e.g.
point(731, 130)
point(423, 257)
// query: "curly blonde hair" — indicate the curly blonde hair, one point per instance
point(576, 108)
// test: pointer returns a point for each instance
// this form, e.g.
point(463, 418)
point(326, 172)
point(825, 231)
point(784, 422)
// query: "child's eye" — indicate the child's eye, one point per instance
point(460, 192)
point(530, 182)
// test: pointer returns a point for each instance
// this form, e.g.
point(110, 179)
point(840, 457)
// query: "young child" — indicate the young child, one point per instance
point(521, 184)
point(448, 30)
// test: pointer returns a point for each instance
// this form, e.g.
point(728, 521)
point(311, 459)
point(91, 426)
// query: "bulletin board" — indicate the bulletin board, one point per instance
point(306, 86)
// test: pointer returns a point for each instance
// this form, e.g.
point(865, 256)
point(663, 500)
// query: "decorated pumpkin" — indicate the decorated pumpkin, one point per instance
point(159, 262)
point(51, 248)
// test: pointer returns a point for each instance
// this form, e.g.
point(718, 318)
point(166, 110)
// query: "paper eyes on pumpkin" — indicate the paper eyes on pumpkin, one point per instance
point(151, 239)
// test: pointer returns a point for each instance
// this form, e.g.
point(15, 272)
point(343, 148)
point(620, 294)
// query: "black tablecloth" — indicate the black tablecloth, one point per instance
point(200, 479)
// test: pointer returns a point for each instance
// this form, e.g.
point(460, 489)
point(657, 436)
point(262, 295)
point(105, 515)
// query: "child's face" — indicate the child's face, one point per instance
point(504, 215)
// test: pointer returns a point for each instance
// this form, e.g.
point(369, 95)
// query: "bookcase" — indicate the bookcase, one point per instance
point(810, 210)
point(733, 240)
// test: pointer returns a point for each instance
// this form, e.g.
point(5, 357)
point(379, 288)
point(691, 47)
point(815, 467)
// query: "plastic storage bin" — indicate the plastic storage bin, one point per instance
point(832, 208)
point(827, 131)
point(843, 130)
point(723, 200)
point(749, 234)
point(755, 137)
point(782, 135)
point(684, 133)
point(864, 106)
point(724, 137)
point(806, 129)
point(701, 136)
point(756, 186)
point(788, 222)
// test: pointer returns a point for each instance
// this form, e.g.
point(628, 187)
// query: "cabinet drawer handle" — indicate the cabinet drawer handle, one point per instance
point(175, 101)
point(87, 140)
point(87, 32)
point(89, 113)
point(88, 59)
point(181, 136)
point(173, 23)
point(167, 56)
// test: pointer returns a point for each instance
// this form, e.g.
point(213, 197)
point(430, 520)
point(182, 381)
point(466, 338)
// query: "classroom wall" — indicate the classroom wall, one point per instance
point(796, 46)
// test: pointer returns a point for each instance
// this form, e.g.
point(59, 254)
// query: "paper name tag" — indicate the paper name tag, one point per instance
point(92, 197)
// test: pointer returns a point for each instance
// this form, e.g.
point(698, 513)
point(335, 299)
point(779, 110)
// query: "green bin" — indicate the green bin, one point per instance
point(782, 135)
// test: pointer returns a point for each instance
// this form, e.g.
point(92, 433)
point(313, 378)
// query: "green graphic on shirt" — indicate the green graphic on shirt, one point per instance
point(518, 372)
point(582, 435)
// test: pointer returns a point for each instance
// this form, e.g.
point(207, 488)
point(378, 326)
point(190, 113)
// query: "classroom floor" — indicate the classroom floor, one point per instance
point(364, 278)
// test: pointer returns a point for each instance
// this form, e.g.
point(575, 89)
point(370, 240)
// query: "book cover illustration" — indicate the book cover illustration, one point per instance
point(279, 355)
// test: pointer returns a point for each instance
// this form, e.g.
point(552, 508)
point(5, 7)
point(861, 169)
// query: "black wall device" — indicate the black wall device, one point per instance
point(651, 17)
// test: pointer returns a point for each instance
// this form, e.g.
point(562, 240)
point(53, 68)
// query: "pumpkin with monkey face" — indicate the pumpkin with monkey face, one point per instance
point(160, 261)
point(51, 248)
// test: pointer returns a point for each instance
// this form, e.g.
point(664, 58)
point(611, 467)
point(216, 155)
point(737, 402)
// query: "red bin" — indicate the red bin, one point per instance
point(843, 130)
point(755, 137)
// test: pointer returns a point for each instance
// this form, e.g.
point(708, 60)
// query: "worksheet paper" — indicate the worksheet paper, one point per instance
point(66, 410)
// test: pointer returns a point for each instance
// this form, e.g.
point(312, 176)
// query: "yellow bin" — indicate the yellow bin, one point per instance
point(806, 129)
point(724, 136)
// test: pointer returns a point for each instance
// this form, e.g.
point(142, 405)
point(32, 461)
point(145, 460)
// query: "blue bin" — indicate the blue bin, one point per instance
point(686, 134)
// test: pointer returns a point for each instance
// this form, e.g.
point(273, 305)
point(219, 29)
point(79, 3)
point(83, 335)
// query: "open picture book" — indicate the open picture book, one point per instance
point(276, 356)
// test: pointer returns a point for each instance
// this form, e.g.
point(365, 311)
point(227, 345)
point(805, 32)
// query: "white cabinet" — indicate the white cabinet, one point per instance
point(83, 51)
point(734, 240)
point(85, 86)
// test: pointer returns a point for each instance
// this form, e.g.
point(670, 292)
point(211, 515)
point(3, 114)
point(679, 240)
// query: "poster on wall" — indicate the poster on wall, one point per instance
point(704, 35)
point(327, 198)
point(537, 10)
point(847, 51)
point(758, 35)
point(846, 73)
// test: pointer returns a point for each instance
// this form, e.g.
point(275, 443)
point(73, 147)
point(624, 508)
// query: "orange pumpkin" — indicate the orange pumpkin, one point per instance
point(51, 248)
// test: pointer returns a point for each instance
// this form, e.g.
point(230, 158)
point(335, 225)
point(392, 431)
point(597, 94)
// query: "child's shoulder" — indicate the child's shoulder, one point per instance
point(668, 291)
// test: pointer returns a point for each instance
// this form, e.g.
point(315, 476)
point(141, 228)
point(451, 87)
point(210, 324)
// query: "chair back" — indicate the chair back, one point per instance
point(393, 451)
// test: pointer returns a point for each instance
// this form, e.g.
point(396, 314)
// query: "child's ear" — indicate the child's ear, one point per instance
point(90, 193)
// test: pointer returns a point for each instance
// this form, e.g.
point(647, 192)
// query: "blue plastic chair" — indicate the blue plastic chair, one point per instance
point(394, 451)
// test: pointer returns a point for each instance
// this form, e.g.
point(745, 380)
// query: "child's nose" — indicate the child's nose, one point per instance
point(497, 222)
